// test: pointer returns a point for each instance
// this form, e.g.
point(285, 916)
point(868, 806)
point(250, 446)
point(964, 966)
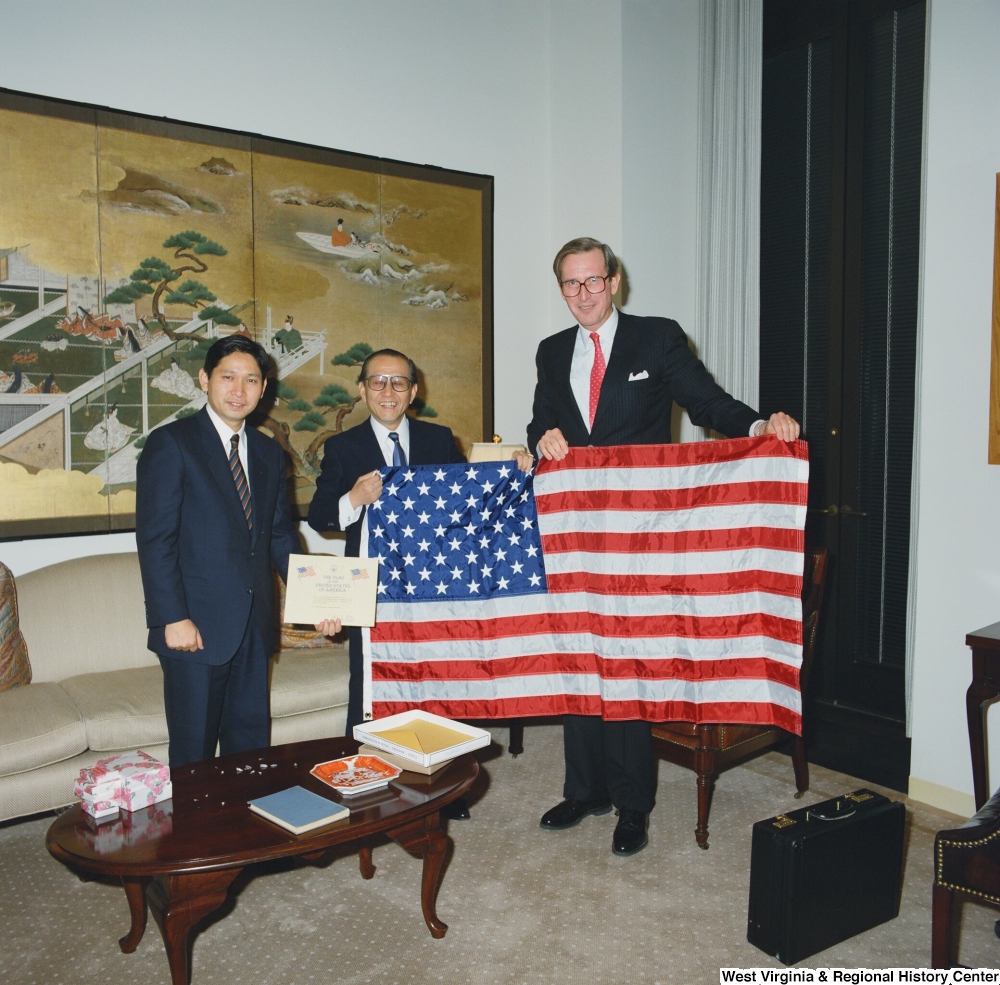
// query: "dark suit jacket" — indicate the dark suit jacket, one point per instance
point(350, 454)
point(198, 559)
point(636, 412)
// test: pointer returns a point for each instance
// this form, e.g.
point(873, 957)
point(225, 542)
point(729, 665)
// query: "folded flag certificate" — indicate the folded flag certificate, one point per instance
point(659, 582)
point(421, 736)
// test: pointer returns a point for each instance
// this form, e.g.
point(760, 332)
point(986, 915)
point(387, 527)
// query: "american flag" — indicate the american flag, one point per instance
point(306, 572)
point(659, 582)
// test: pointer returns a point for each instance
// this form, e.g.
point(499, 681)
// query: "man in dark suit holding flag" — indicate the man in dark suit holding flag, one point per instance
point(612, 379)
point(350, 480)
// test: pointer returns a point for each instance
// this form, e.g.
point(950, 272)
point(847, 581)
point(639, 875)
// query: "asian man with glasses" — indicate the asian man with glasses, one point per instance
point(350, 478)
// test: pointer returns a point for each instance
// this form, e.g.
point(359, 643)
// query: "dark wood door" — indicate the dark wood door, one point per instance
point(840, 196)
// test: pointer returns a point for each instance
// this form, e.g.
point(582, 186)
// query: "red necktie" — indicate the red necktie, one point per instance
point(596, 377)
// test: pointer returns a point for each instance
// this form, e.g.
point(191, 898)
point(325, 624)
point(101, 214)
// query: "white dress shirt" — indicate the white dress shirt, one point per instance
point(226, 436)
point(583, 360)
point(348, 513)
point(583, 363)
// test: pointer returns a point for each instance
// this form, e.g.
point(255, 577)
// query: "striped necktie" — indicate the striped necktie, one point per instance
point(398, 455)
point(240, 478)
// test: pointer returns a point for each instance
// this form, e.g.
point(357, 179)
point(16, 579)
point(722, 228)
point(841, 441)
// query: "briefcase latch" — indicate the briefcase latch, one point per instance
point(782, 821)
point(858, 797)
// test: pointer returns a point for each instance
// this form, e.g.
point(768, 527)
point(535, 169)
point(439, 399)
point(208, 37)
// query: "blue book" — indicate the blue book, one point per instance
point(298, 810)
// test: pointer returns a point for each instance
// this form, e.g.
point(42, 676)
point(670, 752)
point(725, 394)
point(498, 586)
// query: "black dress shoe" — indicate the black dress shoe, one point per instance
point(630, 834)
point(572, 812)
point(457, 810)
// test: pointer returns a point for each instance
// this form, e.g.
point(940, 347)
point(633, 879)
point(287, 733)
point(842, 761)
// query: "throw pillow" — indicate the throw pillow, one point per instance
point(15, 669)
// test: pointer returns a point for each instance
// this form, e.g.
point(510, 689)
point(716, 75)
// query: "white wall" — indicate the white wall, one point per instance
point(958, 544)
point(660, 165)
point(585, 96)
point(22, 556)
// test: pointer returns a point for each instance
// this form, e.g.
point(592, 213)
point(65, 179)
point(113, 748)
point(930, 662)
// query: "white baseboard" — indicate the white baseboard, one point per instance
point(943, 798)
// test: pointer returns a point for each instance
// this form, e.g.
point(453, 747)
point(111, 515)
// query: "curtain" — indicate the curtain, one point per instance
point(728, 242)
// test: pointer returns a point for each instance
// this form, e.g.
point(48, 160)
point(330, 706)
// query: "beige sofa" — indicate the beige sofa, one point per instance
point(96, 689)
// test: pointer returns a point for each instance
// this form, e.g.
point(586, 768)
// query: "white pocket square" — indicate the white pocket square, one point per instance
point(644, 375)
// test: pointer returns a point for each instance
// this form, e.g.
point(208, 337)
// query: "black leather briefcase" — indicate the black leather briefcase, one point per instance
point(821, 874)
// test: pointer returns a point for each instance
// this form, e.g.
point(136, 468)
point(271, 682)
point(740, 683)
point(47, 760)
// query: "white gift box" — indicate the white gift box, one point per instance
point(130, 780)
point(99, 808)
point(367, 733)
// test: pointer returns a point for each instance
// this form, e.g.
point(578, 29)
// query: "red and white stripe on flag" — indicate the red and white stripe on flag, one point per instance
point(674, 577)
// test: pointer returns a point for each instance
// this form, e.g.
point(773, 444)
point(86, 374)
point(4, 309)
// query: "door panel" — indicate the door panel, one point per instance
point(840, 196)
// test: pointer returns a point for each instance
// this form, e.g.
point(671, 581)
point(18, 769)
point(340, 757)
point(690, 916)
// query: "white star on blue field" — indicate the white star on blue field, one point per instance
point(456, 532)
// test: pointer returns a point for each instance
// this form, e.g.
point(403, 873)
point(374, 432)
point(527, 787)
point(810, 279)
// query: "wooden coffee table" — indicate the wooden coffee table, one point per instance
point(182, 854)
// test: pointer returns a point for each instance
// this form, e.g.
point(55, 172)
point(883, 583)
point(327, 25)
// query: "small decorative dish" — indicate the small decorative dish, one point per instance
point(356, 774)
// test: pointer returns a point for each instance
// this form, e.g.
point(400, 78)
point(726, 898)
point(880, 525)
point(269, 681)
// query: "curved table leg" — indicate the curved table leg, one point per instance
point(179, 902)
point(135, 893)
point(365, 859)
point(426, 840)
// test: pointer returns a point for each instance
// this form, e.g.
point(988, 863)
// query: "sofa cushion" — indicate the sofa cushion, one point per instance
point(100, 597)
point(15, 669)
point(308, 680)
point(121, 709)
point(326, 724)
point(39, 725)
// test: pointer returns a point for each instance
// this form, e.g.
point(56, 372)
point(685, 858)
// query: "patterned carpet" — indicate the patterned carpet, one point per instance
point(524, 906)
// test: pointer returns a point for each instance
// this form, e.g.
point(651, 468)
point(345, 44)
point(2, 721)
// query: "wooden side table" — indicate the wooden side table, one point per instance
point(985, 687)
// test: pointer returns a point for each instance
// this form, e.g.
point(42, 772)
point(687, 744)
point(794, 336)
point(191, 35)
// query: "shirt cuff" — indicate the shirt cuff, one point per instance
point(753, 428)
point(348, 514)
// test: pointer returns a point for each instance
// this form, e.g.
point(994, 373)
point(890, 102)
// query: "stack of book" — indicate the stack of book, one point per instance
point(128, 781)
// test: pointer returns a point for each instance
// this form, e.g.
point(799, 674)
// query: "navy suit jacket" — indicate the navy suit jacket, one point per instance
point(352, 453)
point(197, 557)
point(636, 411)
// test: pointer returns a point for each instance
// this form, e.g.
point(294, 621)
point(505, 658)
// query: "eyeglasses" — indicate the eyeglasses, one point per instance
point(399, 383)
point(594, 285)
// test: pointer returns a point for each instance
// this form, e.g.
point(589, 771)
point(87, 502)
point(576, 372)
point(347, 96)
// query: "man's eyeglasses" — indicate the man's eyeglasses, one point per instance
point(399, 383)
point(594, 285)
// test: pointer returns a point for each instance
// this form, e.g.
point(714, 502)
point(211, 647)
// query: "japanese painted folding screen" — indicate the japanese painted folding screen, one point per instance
point(128, 244)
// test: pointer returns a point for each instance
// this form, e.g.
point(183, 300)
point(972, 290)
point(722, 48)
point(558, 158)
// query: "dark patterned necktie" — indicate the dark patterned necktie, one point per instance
point(398, 455)
point(240, 478)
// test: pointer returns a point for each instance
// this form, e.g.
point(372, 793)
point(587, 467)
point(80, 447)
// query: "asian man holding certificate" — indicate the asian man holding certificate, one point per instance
point(212, 516)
